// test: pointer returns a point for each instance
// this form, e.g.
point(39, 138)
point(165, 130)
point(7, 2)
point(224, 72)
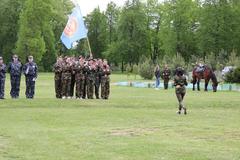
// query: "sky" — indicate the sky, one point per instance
point(88, 5)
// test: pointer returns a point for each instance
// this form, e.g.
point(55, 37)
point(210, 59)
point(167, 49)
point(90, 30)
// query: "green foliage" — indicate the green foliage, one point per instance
point(146, 68)
point(9, 15)
point(97, 32)
point(194, 29)
point(234, 76)
point(233, 60)
point(132, 32)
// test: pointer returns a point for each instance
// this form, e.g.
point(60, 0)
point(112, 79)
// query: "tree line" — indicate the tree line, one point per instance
point(193, 29)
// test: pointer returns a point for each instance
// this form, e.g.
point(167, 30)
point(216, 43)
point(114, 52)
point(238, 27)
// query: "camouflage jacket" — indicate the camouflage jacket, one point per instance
point(166, 74)
point(90, 74)
point(79, 72)
point(57, 68)
point(15, 69)
point(105, 72)
point(3, 70)
point(180, 82)
point(30, 69)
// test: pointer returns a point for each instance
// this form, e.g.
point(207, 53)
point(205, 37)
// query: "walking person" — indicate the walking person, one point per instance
point(180, 81)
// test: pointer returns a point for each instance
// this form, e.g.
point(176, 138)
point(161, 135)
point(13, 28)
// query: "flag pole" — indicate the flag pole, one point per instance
point(89, 47)
point(77, 3)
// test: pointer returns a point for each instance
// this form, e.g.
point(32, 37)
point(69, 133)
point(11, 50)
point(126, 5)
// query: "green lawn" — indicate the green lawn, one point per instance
point(135, 124)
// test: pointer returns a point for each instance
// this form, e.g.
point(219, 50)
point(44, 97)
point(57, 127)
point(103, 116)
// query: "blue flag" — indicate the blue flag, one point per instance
point(75, 28)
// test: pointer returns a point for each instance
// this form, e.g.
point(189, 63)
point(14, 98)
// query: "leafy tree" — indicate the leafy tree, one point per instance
point(133, 41)
point(97, 32)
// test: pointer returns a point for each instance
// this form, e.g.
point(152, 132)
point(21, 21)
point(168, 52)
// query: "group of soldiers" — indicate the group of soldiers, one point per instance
point(15, 68)
point(87, 74)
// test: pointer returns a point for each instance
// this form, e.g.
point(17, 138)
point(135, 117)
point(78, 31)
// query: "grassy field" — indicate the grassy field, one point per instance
point(135, 124)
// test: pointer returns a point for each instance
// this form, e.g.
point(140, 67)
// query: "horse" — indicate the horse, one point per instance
point(206, 74)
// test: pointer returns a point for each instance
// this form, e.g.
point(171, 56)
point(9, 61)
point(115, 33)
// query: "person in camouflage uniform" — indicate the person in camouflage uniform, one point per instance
point(97, 82)
point(105, 80)
point(3, 70)
point(166, 76)
point(57, 68)
point(15, 70)
point(90, 79)
point(30, 71)
point(79, 78)
point(73, 62)
point(180, 82)
point(66, 78)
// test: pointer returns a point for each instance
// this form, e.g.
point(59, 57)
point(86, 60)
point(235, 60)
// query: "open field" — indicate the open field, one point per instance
point(135, 124)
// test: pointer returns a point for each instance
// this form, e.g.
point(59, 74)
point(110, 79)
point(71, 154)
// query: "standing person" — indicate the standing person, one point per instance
point(66, 78)
point(90, 79)
point(105, 80)
point(3, 70)
point(86, 67)
point(57, 68)
point(157, 76)
point(79, 78)
point(97, 78)
point(30, 71)
point(15, 70)
point(180, 82)
point(166, 76)
point(73, 63)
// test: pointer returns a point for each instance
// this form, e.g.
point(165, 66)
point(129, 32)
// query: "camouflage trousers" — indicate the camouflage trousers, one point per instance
point(80, 83)
point(72, 85)
point(97, 86)
point(105, 89)
point(15, 86)
point(90, 88)
point(30, 87)
point(165, 82)
point(58, 86)
point(2, 87)
point(180, 93)
point(66, 84)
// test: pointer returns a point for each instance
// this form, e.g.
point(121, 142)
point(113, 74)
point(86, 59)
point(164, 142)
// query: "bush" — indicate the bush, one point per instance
point(234, 76)
point(146, 69)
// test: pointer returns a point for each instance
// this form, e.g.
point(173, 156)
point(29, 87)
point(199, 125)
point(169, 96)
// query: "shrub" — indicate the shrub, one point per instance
point(234, 76)
point(146, 69)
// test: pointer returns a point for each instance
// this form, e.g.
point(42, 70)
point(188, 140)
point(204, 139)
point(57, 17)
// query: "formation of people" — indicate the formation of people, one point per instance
point(87, 74)
point(16, 69)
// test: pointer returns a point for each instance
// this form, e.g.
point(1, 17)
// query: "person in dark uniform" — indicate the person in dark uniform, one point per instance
point(3, 70)
point(15, 70)
point(30, 71)
point(180, 82)
point(166, 76)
